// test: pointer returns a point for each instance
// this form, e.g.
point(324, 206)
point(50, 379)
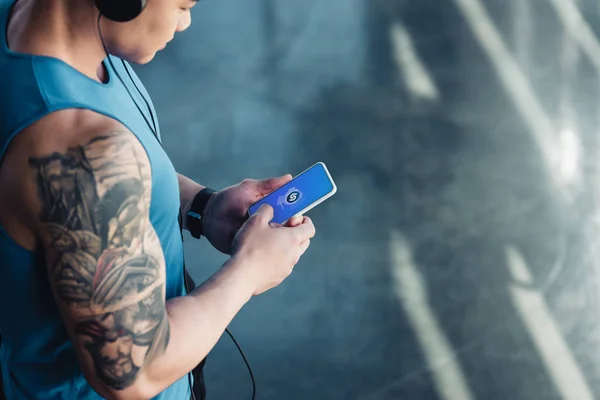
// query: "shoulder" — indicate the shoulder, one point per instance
point(66, 129)
point(65, 148)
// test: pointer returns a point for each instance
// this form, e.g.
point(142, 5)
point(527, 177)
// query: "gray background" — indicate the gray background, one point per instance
point(459, 258)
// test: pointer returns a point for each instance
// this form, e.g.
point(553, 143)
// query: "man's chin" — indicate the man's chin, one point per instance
point(145, 59)
point(139, 58)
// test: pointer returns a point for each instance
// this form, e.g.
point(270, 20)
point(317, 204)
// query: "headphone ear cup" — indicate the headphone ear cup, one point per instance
point(121, 10)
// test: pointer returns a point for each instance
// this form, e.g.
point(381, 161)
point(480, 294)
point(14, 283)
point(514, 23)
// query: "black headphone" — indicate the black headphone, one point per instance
point(121, 10)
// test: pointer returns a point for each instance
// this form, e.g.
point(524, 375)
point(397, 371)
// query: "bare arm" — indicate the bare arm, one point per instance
point(107, 271)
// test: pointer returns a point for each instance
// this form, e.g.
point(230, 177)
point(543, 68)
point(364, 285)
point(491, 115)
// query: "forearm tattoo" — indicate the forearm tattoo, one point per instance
point(106, 264)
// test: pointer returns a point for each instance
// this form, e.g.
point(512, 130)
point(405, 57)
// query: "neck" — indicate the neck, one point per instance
point(64, 29)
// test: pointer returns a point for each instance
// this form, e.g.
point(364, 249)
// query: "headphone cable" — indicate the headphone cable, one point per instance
point(185, 283)
point(245, 361)
point(124, 85)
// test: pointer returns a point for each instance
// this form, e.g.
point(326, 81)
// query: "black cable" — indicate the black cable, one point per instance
point(154, 130)
point(187, 290)
point(124, 85)
point(245, 361)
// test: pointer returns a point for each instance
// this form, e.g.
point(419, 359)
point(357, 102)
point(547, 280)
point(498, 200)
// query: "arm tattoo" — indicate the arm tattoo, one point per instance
point(106, 266)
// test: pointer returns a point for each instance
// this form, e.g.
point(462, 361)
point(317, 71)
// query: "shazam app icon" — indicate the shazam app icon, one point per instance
point(290, 197)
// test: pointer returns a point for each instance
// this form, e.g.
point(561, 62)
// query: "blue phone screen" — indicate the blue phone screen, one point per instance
point(299, 193)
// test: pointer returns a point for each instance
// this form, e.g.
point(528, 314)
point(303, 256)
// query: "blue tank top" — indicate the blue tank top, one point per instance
point(36, 356)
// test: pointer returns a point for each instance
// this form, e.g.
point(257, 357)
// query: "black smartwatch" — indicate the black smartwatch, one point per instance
point(196, 211)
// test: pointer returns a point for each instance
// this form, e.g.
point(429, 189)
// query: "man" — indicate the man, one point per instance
point(92, 295)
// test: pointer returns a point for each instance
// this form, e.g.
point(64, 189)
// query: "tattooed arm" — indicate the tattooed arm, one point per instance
point(107, 271)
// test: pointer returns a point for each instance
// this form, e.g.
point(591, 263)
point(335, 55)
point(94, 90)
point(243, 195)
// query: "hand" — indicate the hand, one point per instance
point(227, 209)
point(270, 251)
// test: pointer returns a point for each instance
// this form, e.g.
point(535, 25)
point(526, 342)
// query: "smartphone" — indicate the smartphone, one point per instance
point(303, 193)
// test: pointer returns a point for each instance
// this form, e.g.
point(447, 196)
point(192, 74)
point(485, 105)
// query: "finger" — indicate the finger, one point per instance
point(306, 230)
point(294, 221)
point(306, 221)
point(302, 249)
point(264, 214)
point(266, 186)
point(304, 245)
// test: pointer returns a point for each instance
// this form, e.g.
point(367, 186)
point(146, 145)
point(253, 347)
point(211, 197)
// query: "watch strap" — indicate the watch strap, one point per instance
point(196, 212)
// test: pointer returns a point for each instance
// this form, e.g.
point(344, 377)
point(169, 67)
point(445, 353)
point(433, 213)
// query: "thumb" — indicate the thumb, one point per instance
point(266, 186)
point(264, 214)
